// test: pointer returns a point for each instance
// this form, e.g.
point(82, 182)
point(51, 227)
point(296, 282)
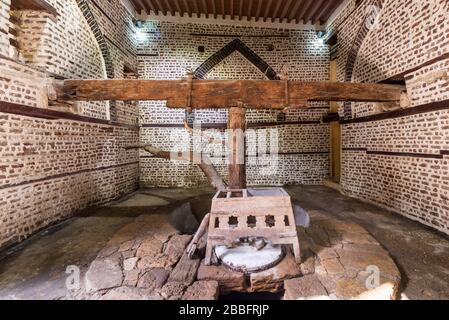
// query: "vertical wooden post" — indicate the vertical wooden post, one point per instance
point(237, 156)
point(335, 133)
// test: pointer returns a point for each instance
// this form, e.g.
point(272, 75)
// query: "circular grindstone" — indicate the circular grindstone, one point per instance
point(248, 259)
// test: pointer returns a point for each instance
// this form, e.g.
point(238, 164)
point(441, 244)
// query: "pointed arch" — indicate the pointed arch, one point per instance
point(226, 51)
point(101, 40)
point(354, 52)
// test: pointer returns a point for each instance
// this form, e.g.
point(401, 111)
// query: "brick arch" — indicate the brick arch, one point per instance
point(354, 52)
point(90, 18)
point(226, 51)
point(98, 34)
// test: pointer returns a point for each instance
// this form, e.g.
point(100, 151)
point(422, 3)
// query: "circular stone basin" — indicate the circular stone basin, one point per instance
point(248, 259)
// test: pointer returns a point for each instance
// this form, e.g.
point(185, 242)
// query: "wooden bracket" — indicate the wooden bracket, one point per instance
point(189, 79)
point(284, 77)
point(287, 94)
point(53, 87)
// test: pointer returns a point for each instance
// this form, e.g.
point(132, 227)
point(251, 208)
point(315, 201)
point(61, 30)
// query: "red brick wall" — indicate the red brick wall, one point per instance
point(400, 162)
point(50, 169)
point(166, 50)
point(4, 27)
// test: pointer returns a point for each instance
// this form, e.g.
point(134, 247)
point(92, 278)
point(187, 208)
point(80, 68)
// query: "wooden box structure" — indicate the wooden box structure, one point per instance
point(262, 213)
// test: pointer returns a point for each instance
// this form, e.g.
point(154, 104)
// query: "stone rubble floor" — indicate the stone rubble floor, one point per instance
point(128, 250)
point(145, 260)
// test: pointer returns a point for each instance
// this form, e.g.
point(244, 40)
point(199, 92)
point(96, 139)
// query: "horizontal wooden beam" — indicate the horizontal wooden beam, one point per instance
point(198, 94)
point(34, 5)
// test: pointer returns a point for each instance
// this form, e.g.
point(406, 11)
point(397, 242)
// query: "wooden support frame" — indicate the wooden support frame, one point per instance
point(270, 208)
point(335, 133)
point(205, 94)
point(237, 165)
point(34, 5)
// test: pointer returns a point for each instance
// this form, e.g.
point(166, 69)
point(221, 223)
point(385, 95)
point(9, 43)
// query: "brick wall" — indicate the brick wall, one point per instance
point(21, 84)
point(119, 35)
point(4, 27)
point(399, 160)
point(167, 50)
point(51, 168)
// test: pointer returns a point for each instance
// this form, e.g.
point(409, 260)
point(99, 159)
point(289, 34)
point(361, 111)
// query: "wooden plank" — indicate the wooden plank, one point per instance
point(424, 108)
point(335, 136)
point(237, 159)
point(41, 113)
point(34, 5)
point(185, 271)
point(255, 94)
point(268, 220)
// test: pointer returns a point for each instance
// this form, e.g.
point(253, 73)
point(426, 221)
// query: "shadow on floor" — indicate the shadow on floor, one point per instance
point(421, 253)
point(36, 268)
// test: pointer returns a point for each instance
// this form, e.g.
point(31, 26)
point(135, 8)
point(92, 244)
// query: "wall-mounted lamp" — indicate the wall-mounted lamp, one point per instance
point(138, 24)
point(320, 34)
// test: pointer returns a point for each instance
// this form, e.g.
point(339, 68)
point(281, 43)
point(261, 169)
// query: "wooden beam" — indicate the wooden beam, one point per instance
point(303, 11)
point(153, 7)
point(187, 7)
point(178, 8)
point(223, 8)
point(214, 9)
point(267, 10)
point(161, 7)
point(170, 8)
point(259, 10)
point(323, 10)
point(255, 94)
point(204, 164)
point(206, 8)
point(196, 9)
point(312, 11)
point(240, 3)
point(295, 11)
point(286, 10)
point(237, 162)
point(140, 6)
point(335, 133)
point(34, 5)
point(276, 11)
point(250, 10)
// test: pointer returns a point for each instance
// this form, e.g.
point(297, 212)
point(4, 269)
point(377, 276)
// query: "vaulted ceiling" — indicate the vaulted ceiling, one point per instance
point(296, 11)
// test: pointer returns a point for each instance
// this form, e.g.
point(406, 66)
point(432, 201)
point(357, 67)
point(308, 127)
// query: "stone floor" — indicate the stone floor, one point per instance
point(36, 269)
point(421, 254)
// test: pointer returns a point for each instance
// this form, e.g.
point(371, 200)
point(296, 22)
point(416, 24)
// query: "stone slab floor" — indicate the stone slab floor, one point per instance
point(36, 268)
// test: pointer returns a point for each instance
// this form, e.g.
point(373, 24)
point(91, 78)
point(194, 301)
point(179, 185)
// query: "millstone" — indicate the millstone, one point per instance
point(248, 259)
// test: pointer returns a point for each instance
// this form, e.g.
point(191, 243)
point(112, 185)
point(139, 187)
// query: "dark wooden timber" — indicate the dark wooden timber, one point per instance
point(425, 108)
point(255, 94)
point(64, 175)
point(40, 113)
point(406, 75)
point(34, 5)
point(255, 125)
point(284, 10)
point(237, 159)
point(400, 154)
